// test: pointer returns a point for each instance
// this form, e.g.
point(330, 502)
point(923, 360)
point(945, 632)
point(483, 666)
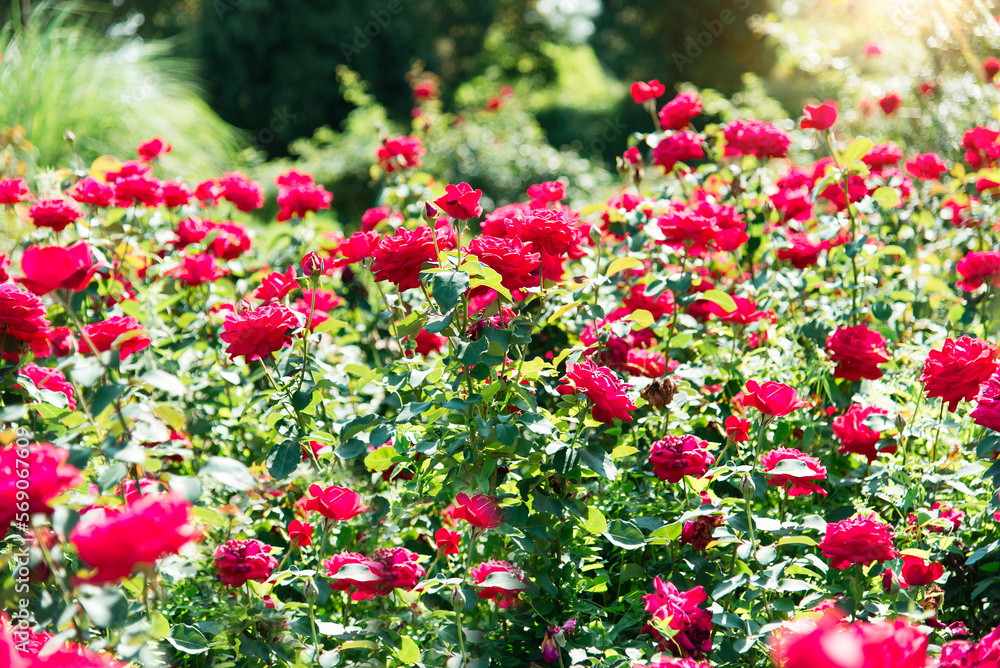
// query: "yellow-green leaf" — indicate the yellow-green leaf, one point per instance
point(408, 651)
point(595, 522)
point(641, 319)
point(857, 150)
point(621, 264)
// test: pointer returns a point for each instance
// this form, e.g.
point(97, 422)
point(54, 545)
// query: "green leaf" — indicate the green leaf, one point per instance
point(595, 522)
point(792, 467)
point(502, 580)
point(412, 410)
point(506, 433)
point(229, 472)
point(356, 572)
point(159, 627)
point(187, 639)
point(107, 608)
point(625, 535)
point(857, 150)
point(167, 382)
point(886, 197)
point(380, 459)
point(641, 319)
point(283, 459)
point(621, 264)
point(598, 461)
point(723, 299)
point(447, 287)
point(408, 651)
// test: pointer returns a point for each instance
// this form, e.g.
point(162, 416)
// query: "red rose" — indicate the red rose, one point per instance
point(336, 503)
point(745, 312)
point(460, 202)
point(297, 198)
point(359, 247)
point(859, 540)
point(52, 380)
point(738, 429)
point(755, 137)
point(276, 285)
point(399, 258)
point(400, 153)
point(231, 240)
point(138, 189)
point(22, 322)
point(855, 436)
point(152, 148)
point(505, 597)
point(48, 476)
point(48, 268)
point(632, 156)
point(91, 191)
point(926, 166)
point(796, 481)
point(379, 575)
point(244, 193)
point(772, 398)
point(549, 192)
point(674, 457)
point(208, 192)
point(300, 533)
point(644, 91)
point(677, 114)
point(548, 231)
point(175, 193)
point(116, 540)
point(13, 191)
point(977, 266)
point(602, 387)
point(890, 103)
point(915, 572)
point(698, 532)
point(857, 351)
point(692, 625)
point(509, 257)
point(241, 560)
point(197, 269)
point(955, 372)
point(54, 213)
point(256, 334)
point(447, 541)
point(480, 511)
point(312, 264)
point(120, 332)
point(882, 155)
point(683, 146)
point(987, 410)
point(819, 116)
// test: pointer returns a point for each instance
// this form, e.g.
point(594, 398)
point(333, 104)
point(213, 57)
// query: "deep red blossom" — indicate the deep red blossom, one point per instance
point(677, 114)
point(916, 572)
point(447, 541)
point(191, 230)
point(257, 333)
point(360, 246)
point(335, 502)
point(48, 268)
point(22, 323)
point(505, 597)
point(691, 624)
point(882, 155)
point(48, 476)
point(978, 267)
point(367, 577)
point(858, 540)
point(122, 333)
point(52, 380)
point(276, 285)
point(238, 561)
point(855, 436)
point(136, 189)
point(698, 532)
point(460, 202)
point(987, 410)
point(828, 642)
point(926, 166)
point(645, 91)
point(755, 137)
point(151, 149)
point(602, 387)
point(548, 192)
point(683, 146)
point(230, 240)
point(244, 193)
point(509, 257)
point(802, 252)
point(955, 372)
point(819, 116)
point(55, 214)
point(114, 541)
point(738, 429)
point(982, 147)
point(399, 258)
point(744, 314)
point(299, 195)
point(857, 351)
point(674, 457)
point(13, 191)
point(797, 481)
point(175, 193)
point(195, 270)
point(890, 103)
point(481, 510)
point(549, 231)
point(400, 153)
point(771, 398)
point(300, 533)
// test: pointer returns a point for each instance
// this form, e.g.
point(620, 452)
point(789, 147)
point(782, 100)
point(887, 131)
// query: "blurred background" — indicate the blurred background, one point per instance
point(504, 93)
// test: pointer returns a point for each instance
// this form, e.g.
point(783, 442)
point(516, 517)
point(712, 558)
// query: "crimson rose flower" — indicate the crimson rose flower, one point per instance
point(957, 370)
point(797, 482)
point(549, 231)
point(698, 532)
point(677, 114)
point(231, 240)
point(447, 541)
point(175, 193)
point(298, 195)
point(89, 190)
point(300, 533)
point(121, 332)
point(195, 270)
point(22, 322)
point(48, 476)
point(257, 333)
point(819, 116)
point(241, 560)
point(54, 213)
point(738, 429)
point(890, 103)
point(460, 202)
point(602, 387)
point(644, 91)
point(509, 257)
point(680, 611)
point(48, 268)
point(548, 192)
point(755, 137)
point(855, 436)
point(857, 351)
point(977, 266)
point(400, 153)
point(683, 146)
point(480, 510)
point(399, 258)
point(116, 540)
point(276, 285)
point(336, 503)
point(13, 191)
point(244, 193)
point(151, 149)
point(52, 380)
point(367, 577)
point(505, 597)
point(987, 410)
point(674, 457)
point(772, 398)
point(858, 540)
point(915, 572)
point(926, 166)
